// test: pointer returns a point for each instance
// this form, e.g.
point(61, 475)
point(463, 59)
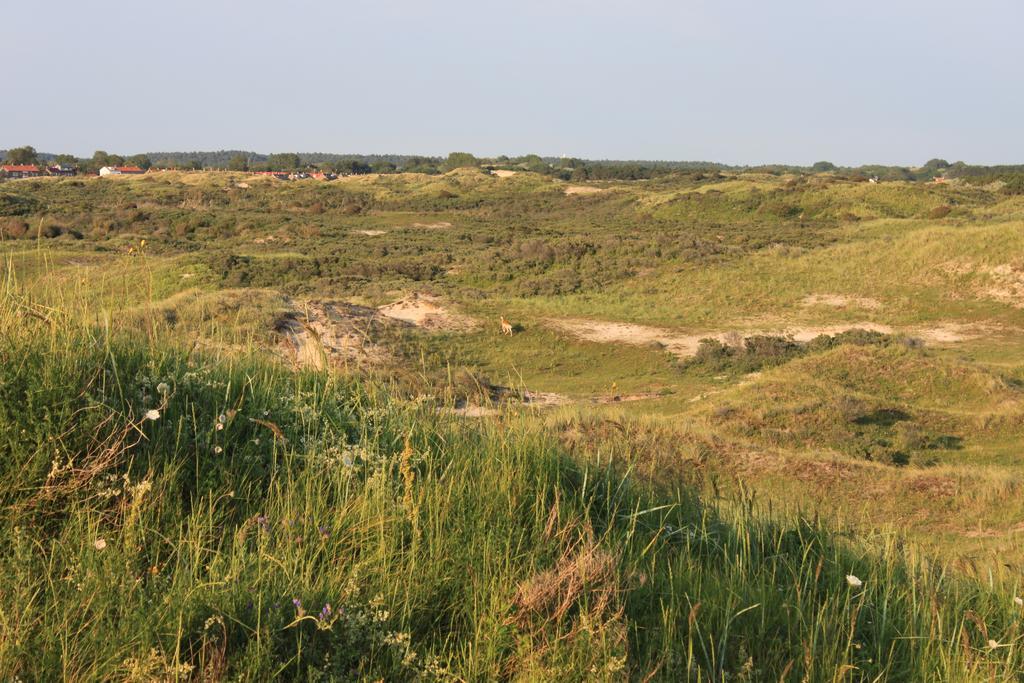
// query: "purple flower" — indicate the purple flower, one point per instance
point(326, 611)
point(323, 531)
point(297, 603)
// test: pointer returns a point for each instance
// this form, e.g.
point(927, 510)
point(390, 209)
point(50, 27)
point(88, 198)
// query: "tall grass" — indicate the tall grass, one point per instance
point(171, 515)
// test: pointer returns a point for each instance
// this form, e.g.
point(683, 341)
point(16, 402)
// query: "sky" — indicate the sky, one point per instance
point(732, 81)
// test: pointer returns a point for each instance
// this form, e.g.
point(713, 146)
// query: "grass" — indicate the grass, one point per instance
point(209, 540)
point(703, 533)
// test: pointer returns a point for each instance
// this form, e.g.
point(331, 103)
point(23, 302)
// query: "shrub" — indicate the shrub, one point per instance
point(856, 337)
point(13, 228)
point(939, 212)
point(1014, 185)
point(750, 354)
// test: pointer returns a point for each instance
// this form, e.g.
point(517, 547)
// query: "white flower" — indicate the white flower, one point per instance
point(152, 414)
point(218, 449)
point(163, 389)
point(992, 644)
point(100, 543)
point(854, 581)
point(220, 426)
point(1018, 601)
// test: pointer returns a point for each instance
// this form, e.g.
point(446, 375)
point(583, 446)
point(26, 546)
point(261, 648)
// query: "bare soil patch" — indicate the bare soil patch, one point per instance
point(582, 189)
point(427, 312)
point(503, 173)
point(371, 233)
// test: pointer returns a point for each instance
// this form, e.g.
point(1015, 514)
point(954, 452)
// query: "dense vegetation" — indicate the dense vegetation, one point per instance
point(566, 168)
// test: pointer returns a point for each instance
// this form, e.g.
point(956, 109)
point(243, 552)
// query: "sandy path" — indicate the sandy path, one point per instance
point(685, 345)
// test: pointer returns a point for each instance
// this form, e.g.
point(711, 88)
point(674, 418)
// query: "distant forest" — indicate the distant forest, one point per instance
point(564, 167)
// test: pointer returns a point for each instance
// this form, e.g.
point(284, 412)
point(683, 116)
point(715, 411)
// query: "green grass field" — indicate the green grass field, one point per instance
point(255, 429)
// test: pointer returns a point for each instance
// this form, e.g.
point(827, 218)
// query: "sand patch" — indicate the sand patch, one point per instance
point(427, 312)
point(841, 301)
point(582, 189)
point(318, 334)
point(502, 173)
point(371, 233)
point(503, 397)
point(1007, 283)
point(437, 225)
point(544, 399)
point(685, 345)
point(1003, 283)
point(627, 398)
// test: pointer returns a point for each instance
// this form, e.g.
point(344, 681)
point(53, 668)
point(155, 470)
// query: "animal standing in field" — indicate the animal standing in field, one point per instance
point(506, 326)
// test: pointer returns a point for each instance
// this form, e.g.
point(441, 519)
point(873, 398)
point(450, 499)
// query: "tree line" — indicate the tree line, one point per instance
point(566, 168)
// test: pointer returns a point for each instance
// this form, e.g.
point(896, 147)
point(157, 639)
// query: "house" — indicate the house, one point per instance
point(62, 170)
point(280, 175)
point(121, 170)
point(19, 171)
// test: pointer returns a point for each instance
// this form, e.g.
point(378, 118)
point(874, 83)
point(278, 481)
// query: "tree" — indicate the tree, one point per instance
point(823, 166)
point(140, 160)
point(100, 159)
point(383, 167)
point(21, 156)
point(286, 161)
point(239, 162)
point(936, 164)
point(460, 160)
point(420, 165)
point(66, 160)
point(352, 167)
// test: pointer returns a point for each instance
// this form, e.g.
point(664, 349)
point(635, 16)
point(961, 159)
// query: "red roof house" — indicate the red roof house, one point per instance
point(20, 170)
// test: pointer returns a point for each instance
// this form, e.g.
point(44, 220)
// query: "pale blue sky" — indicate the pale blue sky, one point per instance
point(732, 81)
